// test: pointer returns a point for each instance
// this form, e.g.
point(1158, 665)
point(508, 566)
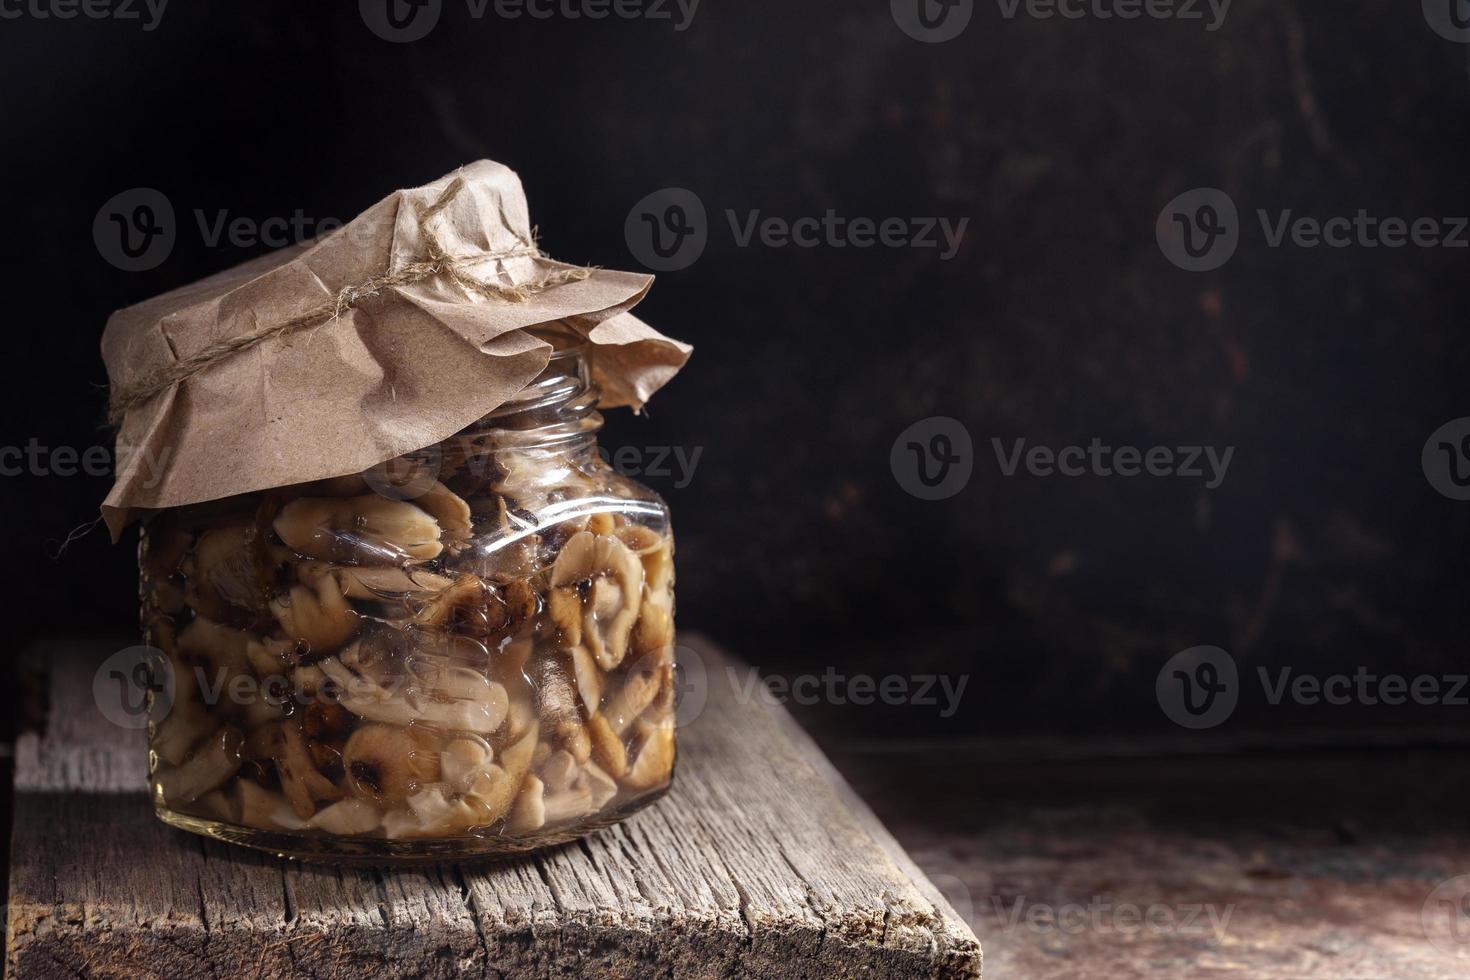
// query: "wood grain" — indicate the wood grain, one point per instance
point(760, 863)
point(1285, 864)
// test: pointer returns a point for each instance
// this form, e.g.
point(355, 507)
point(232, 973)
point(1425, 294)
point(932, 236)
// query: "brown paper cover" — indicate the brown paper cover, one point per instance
point(403, 369)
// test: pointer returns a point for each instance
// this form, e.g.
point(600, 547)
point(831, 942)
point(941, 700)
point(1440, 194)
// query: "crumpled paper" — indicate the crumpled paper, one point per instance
point(400, 370)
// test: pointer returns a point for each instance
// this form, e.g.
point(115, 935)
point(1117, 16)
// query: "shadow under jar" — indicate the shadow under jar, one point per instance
point(467, 650)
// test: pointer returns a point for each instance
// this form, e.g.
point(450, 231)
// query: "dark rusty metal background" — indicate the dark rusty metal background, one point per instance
point(1059, 320)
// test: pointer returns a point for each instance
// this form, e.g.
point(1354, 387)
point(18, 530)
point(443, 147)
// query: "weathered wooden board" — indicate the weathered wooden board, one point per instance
point(1282, 864)
point(759, 863)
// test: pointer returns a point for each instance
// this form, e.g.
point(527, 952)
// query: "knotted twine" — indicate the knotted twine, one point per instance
point(439, 263)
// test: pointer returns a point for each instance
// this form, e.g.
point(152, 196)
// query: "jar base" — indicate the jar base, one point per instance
point(380, 851)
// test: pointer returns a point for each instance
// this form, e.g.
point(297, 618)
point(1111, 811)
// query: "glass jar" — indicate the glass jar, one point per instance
point(466, 650)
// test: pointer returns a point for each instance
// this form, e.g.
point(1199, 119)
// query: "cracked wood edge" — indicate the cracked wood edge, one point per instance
point(761, 862)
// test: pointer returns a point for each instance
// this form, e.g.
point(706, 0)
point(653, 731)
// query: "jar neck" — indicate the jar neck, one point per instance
point(555, 412)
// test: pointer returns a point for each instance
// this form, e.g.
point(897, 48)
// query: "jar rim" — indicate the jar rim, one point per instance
point(558, 407)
